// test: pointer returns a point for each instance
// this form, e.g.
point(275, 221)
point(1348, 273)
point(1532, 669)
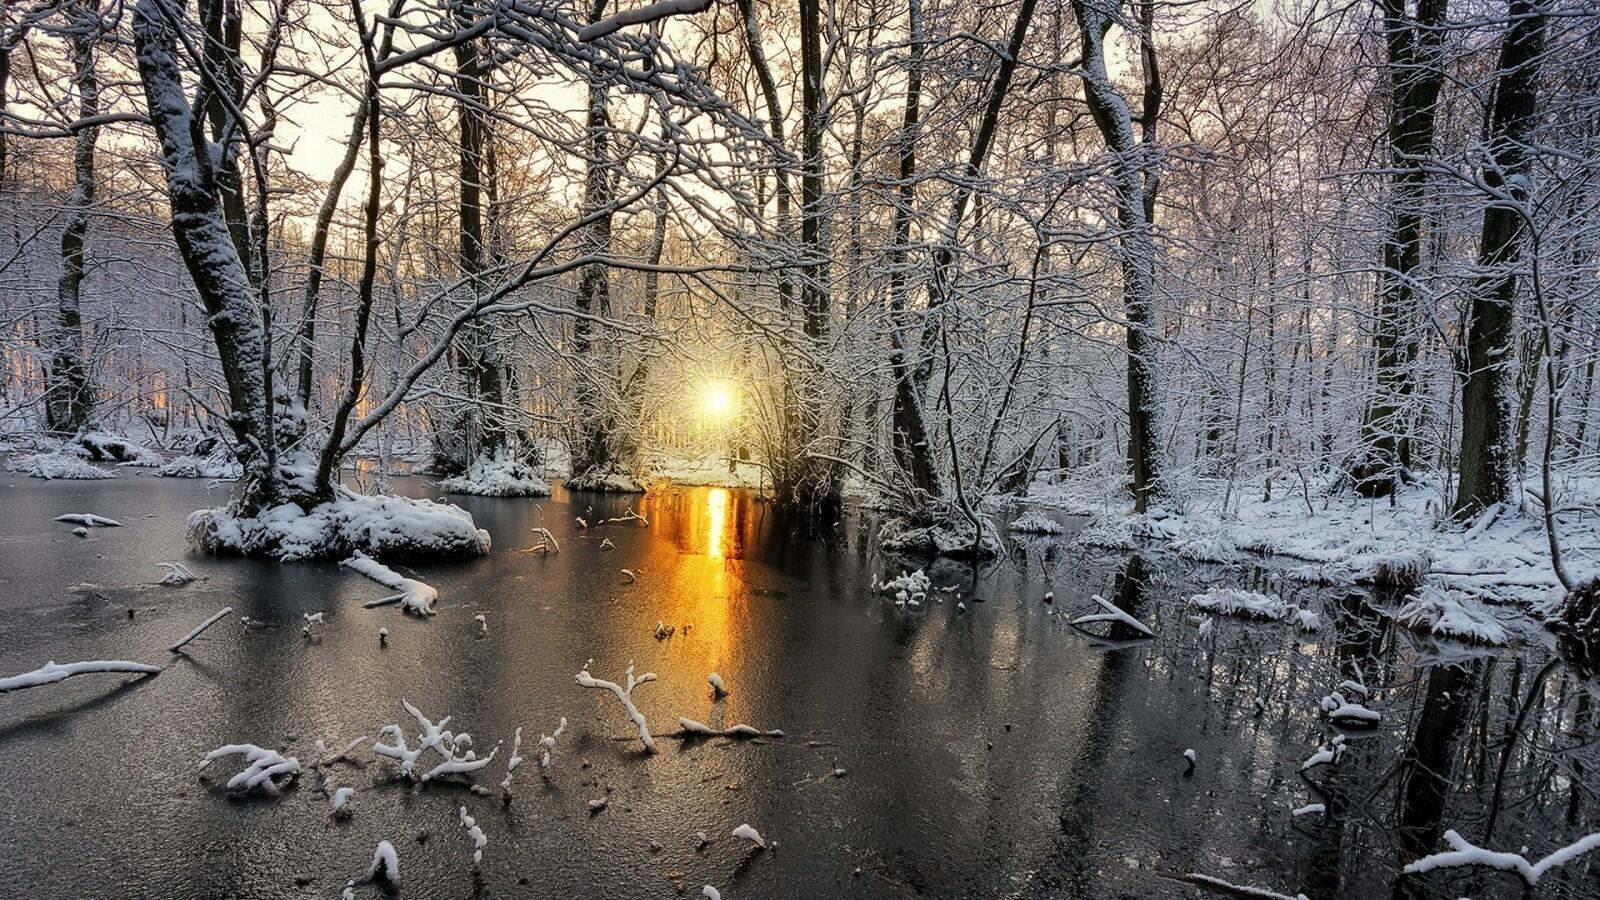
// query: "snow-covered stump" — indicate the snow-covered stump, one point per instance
point(624, 695)
point(350, 524)
point(1452, 615)
point(51, 673)
point(501, 475)
point(103, 446)
point(605, 480)
point(268, 771)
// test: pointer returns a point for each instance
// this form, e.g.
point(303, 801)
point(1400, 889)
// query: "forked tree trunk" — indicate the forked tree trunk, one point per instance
point(1135, 210)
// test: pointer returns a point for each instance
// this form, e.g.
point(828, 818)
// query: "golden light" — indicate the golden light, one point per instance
point(717, 400)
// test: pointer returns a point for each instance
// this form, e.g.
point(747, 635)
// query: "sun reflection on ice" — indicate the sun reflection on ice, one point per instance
point(716, 522)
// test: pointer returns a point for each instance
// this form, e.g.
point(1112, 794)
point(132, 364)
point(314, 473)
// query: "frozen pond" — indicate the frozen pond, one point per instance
point(995, 752)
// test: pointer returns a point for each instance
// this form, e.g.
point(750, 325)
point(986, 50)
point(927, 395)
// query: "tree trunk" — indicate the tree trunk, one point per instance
point(1487, 464)
point(68, 395)
point(1135, 207)
point(1415, 74)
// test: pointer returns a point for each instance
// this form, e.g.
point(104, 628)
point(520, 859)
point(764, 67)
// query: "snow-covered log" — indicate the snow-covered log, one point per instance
point(89, 519)
point(51, 466)
point(414, 597)
point(1451, 614)
point(50, 673)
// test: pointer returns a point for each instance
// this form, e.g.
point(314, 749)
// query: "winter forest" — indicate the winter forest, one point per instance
point(1028, 449)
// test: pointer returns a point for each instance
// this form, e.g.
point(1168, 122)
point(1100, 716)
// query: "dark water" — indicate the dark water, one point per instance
point(992, 753)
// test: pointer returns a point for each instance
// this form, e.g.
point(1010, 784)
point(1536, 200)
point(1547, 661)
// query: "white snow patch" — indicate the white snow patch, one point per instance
point(50, 672)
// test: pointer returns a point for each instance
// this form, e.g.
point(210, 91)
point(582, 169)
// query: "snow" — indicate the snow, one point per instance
point(625, 697)
point(1238, 890)
point(1225, 601)
point(710, 893)
point(1309, 809)
point(717, 687)
point(341, 800)
point(1451, 614)
point(385, 864)
point(89, 519)
point(50, 673)
point(59, 465)
point(499, 476)
point(216, 617)
point(547, 742)
point(268, 771)
point(1465, 853)
point(1328, 754)
point(374, 526)
point(512, 762)
point(414, 597)
point(898, 535)
point(750, 834)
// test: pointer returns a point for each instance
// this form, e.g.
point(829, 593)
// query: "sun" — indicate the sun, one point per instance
point(717, 400)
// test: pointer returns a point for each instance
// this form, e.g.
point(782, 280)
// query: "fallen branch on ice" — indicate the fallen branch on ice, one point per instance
point(1467, 854)
point(265, 768)
point(478, 838)
point(625, 696)
point(1238, 890)
point(1112, 614)
point(177, 575)
point(216, 617)
point(89, 519)
point(50, 673)
point(691, 728)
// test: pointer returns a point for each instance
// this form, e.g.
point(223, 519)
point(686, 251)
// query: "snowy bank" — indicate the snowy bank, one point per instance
point(498, 476)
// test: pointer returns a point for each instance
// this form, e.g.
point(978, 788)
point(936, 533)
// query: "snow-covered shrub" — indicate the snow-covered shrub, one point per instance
point(1400, 570)
point(1452, 614)
point(177, 574)
point(49, 466)
point(1205, 544)
point(499, 476)
point(268, 771)
point(1251, 605)
point(907, 588)
point(1110, 532)
point(219, 463)
point(608, 480)
point(900, 535)
point(376, 526)
point(103, 446)
point(1035, 522)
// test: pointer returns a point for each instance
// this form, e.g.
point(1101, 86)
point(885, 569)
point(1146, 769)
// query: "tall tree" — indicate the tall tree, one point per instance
point(1135, 178)
point(1414, 72)
point(68, 394)
point(1488, 464)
